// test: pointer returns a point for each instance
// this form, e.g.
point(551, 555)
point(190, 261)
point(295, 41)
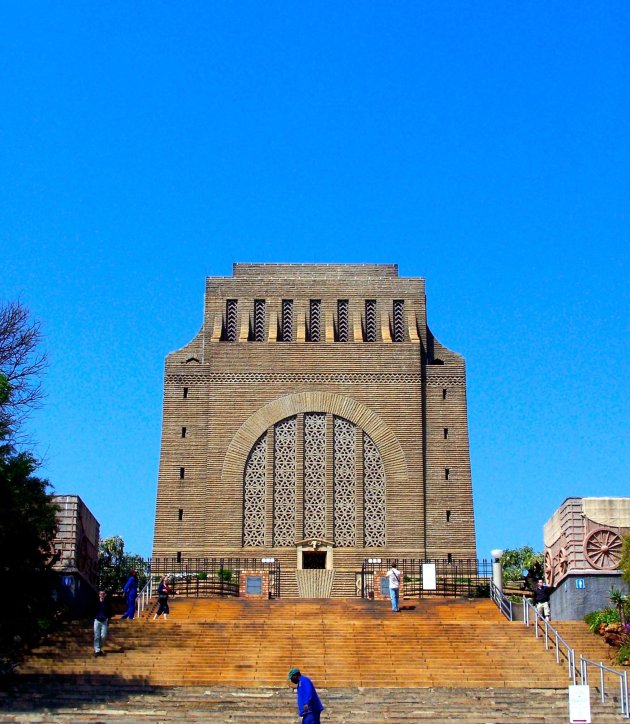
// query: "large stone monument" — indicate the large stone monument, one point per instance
point(315, 419)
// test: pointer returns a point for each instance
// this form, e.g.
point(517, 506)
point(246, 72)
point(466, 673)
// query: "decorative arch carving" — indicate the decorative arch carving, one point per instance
point(250, 431)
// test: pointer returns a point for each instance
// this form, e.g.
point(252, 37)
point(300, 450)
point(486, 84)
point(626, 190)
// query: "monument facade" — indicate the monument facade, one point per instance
point(315, 419)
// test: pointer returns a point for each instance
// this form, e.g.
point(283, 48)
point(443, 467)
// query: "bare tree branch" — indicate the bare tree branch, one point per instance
point(22, 365)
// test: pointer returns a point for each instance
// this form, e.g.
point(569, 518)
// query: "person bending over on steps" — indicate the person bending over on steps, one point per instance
point(308, 703)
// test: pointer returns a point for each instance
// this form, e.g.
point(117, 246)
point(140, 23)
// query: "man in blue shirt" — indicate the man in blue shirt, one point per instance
point(308, 703)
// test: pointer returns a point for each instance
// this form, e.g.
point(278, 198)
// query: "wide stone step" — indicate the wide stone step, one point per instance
point(360, 643)
point(57, 702)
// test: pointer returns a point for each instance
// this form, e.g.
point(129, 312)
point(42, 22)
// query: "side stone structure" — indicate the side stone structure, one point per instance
point(76, 553)
point(315, 403)
point(583, 546)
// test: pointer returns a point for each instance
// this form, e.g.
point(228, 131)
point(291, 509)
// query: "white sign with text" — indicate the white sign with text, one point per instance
point(579, 704)
point(429, 582)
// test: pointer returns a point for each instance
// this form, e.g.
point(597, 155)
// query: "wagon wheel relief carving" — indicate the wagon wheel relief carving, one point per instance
point(602, 548)
point(562, 561)
point(549, 569)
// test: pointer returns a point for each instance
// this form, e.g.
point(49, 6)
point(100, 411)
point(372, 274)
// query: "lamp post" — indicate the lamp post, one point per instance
point(497, 569)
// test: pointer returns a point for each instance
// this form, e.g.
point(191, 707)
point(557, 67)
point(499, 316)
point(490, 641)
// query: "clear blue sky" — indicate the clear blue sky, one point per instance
point(481, 145)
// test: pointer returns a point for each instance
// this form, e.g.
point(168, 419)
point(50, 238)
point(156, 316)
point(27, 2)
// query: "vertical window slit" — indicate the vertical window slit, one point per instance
point(231, 320)
point(287, 320)
point(399, 321)
point(342, 320)
point(370, 320)
point(259, 320)
point(314, 331)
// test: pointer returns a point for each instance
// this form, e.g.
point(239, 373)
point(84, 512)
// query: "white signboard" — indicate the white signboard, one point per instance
point(428, 577)
point(579, 704)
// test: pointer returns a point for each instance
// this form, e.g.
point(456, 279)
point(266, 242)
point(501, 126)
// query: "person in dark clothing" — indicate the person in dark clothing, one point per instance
point(163, 591)
point(131, 591)
point(308, 703)
point(102, 614)
point(541, 599)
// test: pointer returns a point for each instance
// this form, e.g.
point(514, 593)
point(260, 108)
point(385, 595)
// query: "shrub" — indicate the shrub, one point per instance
point(481, 591)
point(595, 619)
point(225, 575)
point(621, 602)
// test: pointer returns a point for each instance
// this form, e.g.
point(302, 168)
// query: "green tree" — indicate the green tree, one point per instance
point(28, 525)
point(516, 560)
point(28, 516)
point(114, 566)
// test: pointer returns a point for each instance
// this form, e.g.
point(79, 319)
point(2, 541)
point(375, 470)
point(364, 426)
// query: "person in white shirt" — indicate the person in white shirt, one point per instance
point(393, 574)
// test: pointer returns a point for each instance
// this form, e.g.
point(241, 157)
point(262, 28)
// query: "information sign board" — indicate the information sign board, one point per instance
point(429, 582)
point(579, 704)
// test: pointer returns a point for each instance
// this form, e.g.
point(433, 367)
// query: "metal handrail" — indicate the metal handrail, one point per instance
point(561, 645)
point(623, 682)
point(144, 596)
point(502, 601)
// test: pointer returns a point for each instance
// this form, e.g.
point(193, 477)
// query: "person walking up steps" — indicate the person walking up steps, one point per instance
point(394, 586)
point(163, 591)
point(131, 592)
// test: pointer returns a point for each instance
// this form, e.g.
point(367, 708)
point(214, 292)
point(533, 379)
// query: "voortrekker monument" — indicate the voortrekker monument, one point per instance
point(315, 419)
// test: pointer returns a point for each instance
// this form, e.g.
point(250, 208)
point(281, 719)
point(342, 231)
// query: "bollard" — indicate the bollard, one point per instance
point(497, 569)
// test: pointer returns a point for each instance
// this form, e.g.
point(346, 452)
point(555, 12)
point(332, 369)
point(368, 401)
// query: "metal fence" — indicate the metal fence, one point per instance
point(204, 576)
point(457, 578)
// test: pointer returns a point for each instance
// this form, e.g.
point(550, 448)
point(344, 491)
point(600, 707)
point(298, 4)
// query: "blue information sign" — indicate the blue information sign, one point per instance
point(579, 583)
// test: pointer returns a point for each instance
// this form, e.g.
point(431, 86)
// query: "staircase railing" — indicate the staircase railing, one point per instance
point(144, 596)
point(544, 629)
point(623, 682)
point(502, 601)
point(548, 632)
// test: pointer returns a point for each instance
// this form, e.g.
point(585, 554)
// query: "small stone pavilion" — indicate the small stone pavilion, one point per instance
point(315, 420)
point(76, 552)
point(583, 541)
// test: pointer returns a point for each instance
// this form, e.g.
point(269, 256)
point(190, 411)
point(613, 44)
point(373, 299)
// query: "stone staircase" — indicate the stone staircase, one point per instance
point(437, 660)
point(585, 642)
